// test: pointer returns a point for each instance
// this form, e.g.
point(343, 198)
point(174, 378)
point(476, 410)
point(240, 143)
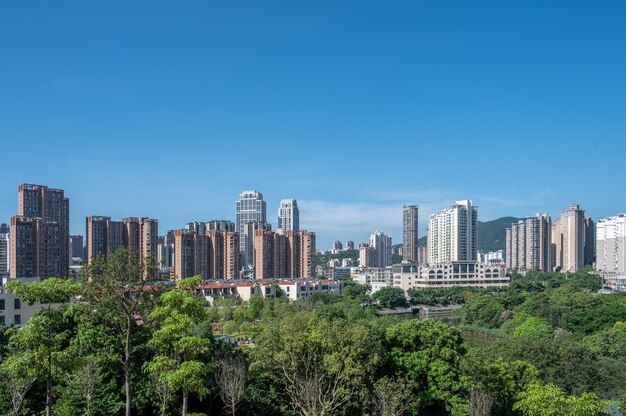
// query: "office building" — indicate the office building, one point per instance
point(590, 241)
point(288, 215)
point(284, 255)
point(528, 244)
point(611, 245)
point(409, 236)
point(568, 239)
point(452, 233)
point(39, 234)
point(381, 243)
point(250, 208)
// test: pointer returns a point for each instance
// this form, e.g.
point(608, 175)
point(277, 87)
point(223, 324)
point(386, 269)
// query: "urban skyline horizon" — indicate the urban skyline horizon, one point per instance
point(324, 238)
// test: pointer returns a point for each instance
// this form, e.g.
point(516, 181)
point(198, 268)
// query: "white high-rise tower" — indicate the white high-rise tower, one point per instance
point(289, 215)
point(452, 233)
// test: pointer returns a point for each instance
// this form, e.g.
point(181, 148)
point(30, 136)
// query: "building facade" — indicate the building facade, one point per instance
point(452, 233)
point(250, 208)
point(409, 233)
point(212, 256)
point(611, 245)
point(528, 244)
point(451, 274)
point(39, 234)
point(568, 239)
point(284, 255)
point(288, 215)
point(381, 244)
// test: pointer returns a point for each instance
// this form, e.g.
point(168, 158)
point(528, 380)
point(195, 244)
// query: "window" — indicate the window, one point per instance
point(17, 320)
point(18, 304)
point(2, 306)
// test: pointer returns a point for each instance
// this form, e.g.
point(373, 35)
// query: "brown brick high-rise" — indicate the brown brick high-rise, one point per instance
point(40, 233)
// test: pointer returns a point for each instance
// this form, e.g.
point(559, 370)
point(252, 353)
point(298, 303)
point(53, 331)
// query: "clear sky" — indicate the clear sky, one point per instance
point(169, 109)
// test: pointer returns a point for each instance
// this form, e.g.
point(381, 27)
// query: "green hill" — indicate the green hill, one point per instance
point(491, 234)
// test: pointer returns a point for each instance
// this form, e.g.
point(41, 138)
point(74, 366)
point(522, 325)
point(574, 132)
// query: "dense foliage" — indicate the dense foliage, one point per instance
point(126, 345)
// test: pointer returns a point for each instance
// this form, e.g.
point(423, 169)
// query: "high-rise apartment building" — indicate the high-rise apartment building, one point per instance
point(590, 241)
point(611, 245)
point(139, 236)
point(409, 236)
point(250, 208)
point(214, 255)
point(349, 245)
point(289, 254)
point(5, 244)
point(366, 255)
point(205, 227)
point(568, 239)
point(452, 233)
point(337, 246)
point(77, 247)
point(165, 255)
point(528, 244)
point(288, 215)
point(39, 234)
point(381, 244)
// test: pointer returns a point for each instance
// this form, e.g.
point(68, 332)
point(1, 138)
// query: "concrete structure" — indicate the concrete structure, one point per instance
point(165, 251)
point(451, 274)
point(611, 245)
point(381, 244)
point(213, 256)
point(492, 257)
point(422, 254)
point(452, 233)
point(39, 234)
point(288, 215)
point(337, 247)
point(374, 276)
point(568, 239)
point(528, 244)
point(590, 241)
point(409, 235)
point(293, 289)
point(249, 208)
point(289, 254)
point(349, 245)
point(204, 227)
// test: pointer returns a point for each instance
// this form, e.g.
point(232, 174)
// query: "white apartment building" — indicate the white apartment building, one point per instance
point(381, 245)
point(293, 289)
point(611, 249)
point(14, 312)
point(452, 233)
point(450, 274)
point(5, 254)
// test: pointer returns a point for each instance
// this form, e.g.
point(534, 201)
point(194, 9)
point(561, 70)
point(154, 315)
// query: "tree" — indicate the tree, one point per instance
point(231, 379)
point(392, 397)
point(322, 364)
point(549, 400)
point(177, 361)
point(429, 354)
point(86, 378)
point(119, 288)
point(390, 297)
point(255, 307)
point(16, 378)
point(534, 327)
point(49, 291)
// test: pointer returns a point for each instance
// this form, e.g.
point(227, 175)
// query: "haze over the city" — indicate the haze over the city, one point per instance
point(352, 108)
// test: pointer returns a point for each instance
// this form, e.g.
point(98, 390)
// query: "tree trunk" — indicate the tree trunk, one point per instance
point(185, 397)
point(127, 366)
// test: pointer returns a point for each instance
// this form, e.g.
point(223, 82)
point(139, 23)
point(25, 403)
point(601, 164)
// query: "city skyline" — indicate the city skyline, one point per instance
point(306, 99)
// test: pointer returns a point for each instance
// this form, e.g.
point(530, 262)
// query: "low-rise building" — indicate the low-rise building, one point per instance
point(14, 312)
point(243, 290)
point(451, 274)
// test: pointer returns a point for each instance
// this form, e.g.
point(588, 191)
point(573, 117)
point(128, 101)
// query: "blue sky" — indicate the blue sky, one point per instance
point(170, 109)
